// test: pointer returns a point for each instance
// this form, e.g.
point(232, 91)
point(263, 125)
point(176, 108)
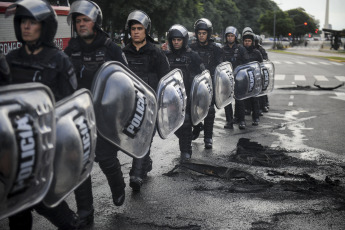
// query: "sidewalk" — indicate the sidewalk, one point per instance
point(315, 52)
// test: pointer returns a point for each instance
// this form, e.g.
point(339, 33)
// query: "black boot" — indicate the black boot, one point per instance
point(140, 168)
point(185, 156)
point(84, 200)
point(61, 216)
point(229, 125)
point(208, 143)
point(242, 125)
point(112, 170)
point(196, 130)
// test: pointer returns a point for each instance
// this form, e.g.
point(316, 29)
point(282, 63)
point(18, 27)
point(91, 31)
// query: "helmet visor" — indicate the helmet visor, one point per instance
point(40, 10)
point(83, 7)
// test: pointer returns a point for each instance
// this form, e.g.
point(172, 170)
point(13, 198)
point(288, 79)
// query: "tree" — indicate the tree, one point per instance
point(283, 23)
point(299, 16)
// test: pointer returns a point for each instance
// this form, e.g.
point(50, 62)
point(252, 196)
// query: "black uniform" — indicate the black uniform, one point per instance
point(211, 56)
point(53, 68)
point(253, 102)
point(5, 76)
point(87, 58)
point(263, 100)
point(237, 55)
point(150, 64)
point(190, 64)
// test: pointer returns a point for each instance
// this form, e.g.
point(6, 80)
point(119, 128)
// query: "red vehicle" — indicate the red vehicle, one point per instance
point(8, 40)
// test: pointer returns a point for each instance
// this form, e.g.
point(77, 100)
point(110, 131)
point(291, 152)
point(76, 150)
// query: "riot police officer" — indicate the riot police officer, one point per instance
point(237, 55)
point(150, 64)
point(211, 56)
point(39, 60)
point(189, 62)
point(254, 55)
point(88, 51)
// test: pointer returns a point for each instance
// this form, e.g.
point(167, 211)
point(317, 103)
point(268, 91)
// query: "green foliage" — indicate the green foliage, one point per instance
point(257, 14)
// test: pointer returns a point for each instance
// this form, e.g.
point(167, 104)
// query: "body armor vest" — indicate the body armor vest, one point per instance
point(141, 65)
point(207, 55)
point(87, 64)
point(231, 55)
point(182, 62)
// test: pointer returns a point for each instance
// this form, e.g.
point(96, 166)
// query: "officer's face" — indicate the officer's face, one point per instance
point(202, 35)
point(138, 33)
point(247, 42)
point(177, 43)
point(31, 30)
point(230, 38)
point(84, 26)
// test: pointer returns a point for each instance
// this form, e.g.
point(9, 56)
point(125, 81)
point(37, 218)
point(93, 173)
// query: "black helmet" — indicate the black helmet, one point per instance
point(87, 8)
point(41, 11)
point(256, 40)
point(203, 24)
point(141, 17)
point(178, 31)
point(231, 30)
point(248, 33)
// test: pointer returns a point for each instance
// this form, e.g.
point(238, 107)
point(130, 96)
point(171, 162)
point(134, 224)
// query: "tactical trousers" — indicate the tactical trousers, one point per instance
point(184, 134)
point(209, 121)
point(240, 109)
point(143, 165)
point(106, 156)
point(61, 216)
point(254, 102)
point(229, 114)
point(83, 195)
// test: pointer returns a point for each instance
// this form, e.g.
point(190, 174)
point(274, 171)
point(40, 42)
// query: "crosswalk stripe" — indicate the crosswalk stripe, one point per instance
point(320, 78)
point(276, 62)
point(310, 62)
point(324, 63)
point(300, 78)
point(289, 62)
point(340, 78)
point(279, 77)
point(336, 63)
point(301, 63)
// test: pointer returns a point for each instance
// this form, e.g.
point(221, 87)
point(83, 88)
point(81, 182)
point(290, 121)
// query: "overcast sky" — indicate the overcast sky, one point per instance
point(317, 8)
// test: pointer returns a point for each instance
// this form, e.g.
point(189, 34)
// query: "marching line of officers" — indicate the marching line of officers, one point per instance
point(65, 72)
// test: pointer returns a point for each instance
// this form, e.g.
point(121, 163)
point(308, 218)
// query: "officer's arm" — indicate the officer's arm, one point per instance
point(163, 66)
point(5, 75)
point(219, 55)
point(117, 54)
point(68, 80)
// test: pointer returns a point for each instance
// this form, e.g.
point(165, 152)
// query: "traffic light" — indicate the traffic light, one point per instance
point(289, 34)
point(316, 31)
point(305, 23)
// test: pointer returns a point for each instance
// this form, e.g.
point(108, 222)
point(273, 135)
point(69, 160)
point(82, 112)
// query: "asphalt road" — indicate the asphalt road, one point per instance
point(287, 173)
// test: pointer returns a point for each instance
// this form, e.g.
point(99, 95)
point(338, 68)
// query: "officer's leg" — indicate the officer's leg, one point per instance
point(208, 127)
point(240, 113)
point(140, 168)
point(21, 220)
point(248, 106)
point(84, 200)
point(184, 134)
point(229, 117)
point(106, 156)
point(61, 216)
point(256, 113)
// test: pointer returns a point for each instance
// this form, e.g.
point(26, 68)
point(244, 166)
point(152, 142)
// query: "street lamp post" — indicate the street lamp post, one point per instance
point(274, 29)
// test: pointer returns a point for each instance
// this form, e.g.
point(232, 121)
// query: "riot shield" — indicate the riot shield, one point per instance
point(172, 101)
point(223, 85)
point(27, 145)
point(76, 136)
point(248, 82)
point(125, 108)
point(201, 96)
point(267, 75)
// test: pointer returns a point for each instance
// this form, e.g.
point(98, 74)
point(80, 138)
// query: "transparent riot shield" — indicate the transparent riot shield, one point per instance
point(223, 85)
point(125, 108)
point(172, 100)
point(201, 96)
point(267, 75)
point(76, 136)
point(248, 81)
point(27, 145)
